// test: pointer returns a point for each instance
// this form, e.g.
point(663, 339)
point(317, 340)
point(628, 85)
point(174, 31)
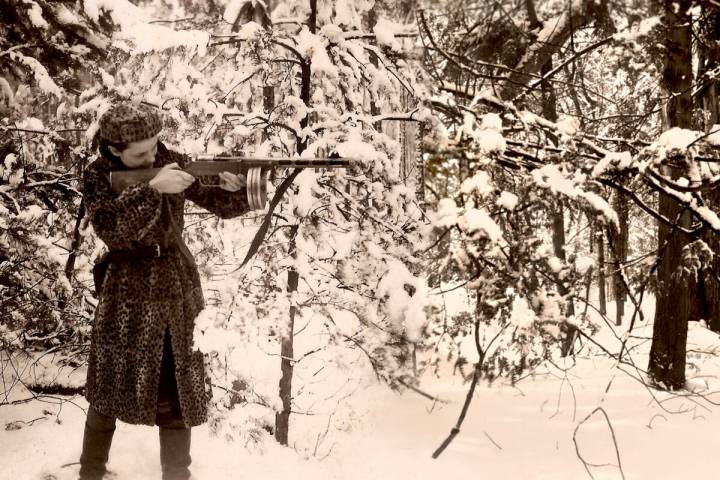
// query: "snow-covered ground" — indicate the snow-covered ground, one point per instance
point(524, 431)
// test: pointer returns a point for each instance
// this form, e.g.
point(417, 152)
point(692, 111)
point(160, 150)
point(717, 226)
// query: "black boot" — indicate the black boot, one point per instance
point(175, 453)
point(97, 439)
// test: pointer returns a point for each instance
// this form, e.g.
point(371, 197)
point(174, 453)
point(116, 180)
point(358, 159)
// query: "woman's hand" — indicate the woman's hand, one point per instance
point(231, 182)
point(171, 179)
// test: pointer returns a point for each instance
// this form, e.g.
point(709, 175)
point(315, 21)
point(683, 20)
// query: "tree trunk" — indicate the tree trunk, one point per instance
point(619, 252)
point(557, 215)
point(602, 298)
point(676, 291)
point(287, 352)
point(558, 219)
point(282, 419)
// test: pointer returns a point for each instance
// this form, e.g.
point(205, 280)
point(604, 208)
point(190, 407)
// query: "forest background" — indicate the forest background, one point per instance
point(535, 184)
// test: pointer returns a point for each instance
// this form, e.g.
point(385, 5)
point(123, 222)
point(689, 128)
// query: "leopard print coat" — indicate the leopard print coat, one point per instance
point(142, 298)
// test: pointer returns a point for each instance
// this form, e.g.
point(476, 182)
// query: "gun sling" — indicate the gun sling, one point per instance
point(262, 231)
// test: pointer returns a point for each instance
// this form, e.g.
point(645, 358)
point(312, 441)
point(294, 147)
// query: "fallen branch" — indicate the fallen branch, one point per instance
point(612, 432)
point(493, 441)
point(421, 392)
point(477, 372)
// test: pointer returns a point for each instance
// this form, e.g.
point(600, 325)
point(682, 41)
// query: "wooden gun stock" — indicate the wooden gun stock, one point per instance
point(207, 167)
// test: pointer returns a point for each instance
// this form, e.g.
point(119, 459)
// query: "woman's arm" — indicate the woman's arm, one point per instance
point(222, 203)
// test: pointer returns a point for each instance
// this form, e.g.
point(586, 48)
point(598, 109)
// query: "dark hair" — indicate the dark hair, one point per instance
point(103, 146)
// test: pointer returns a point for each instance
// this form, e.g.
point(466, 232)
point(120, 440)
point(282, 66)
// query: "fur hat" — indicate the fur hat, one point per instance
point(129, 122)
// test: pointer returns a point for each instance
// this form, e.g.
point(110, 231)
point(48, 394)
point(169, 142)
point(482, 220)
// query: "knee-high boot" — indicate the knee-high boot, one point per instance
point(99, 430)
point(175, 453)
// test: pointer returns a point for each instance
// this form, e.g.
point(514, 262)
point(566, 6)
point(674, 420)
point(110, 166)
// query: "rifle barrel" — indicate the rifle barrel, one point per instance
point(278, 161)
point(211, 165)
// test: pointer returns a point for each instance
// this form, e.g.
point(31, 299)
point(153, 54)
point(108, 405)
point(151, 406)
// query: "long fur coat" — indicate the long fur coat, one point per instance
point(143, 297)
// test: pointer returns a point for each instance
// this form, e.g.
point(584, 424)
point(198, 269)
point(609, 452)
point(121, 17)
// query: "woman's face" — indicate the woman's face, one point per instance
point(140, 154)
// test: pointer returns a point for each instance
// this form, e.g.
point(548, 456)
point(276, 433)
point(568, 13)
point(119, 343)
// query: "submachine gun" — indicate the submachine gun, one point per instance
point(207, 167)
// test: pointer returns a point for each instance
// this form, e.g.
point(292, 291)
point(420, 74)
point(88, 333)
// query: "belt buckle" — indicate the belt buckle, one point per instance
point(158, 252)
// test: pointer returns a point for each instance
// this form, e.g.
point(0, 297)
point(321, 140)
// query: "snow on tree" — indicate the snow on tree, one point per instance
point(46, 53)
point(340, 72)
point(605, 141)
point(542, 150)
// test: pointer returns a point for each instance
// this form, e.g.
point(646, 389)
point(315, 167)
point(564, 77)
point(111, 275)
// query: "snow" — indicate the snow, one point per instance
point(646, 25)
point(385, 31)
point(107, 79)
point(713, 137)
point(297, 111)
point(555, 264)
point(525, 430)
point(30, 214)
point(354, 146)
point(551, 26)
point(568, 125)
point(232, 9)
point(583, 264)
point(312, 46)
point(4, 216)
point(478, 220)
point(507, 200)
point(249, 30)
point(343, 242)
point(488, 137)
point(491, 121)
point(550, 176)
point(446, 214)
point(42, 77)
point(13, 176)
point(521, 314)
point(134, 26)
point(332, 32)
point(306, 182)
point(707, 214)
point(601, 205)
point(10, 160)
point(490, 141)
point(677, 138)
point(35, 14)
point(617, 160)
point(405, 311)
point(148, 37)
point(348, 13)
point(31, 123)
point(6, 92)
point(122, 12)
point(480, 183)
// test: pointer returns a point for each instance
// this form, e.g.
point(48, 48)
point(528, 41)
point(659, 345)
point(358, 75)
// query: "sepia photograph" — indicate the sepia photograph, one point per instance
point(359, 239)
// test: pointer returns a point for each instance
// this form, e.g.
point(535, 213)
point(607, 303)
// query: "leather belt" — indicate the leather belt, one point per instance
point(148, 251)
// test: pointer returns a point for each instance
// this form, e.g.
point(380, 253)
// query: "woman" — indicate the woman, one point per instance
point(142, 369)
